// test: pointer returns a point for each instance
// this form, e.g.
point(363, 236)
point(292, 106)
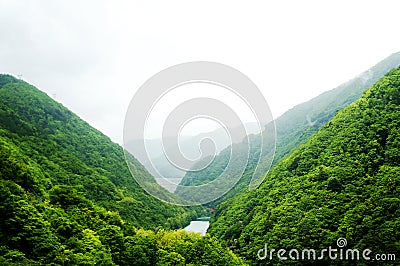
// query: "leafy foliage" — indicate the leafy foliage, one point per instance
point(293, 128)
point(67, 197)
point(343, 182)
point(67, 151)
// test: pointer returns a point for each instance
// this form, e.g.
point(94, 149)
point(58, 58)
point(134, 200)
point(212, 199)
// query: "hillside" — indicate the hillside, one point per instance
point(294, 127)
point(70, 152)
point(299, 123)
point(67, 197)
point(343, 182)
point(188, 146)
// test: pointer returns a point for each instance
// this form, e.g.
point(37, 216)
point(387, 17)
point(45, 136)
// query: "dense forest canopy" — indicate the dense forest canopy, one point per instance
point(293, 128)
point(343, 182)
point(68, 198)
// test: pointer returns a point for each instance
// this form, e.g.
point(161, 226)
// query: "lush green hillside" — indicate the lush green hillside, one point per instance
point(218, 166)
point(188, 146)
point(61, 227)
point(343, 182)
point(70, 152)
point(67, 197)
point(302, 121)
point(294, 127)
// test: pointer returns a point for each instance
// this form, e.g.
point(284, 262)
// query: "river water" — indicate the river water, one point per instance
point(198, 226)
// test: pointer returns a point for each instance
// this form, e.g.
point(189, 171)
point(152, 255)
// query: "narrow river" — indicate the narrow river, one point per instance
point(200, 225)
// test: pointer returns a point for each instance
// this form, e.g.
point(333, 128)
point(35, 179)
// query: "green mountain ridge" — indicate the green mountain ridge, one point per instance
point(293, 128)
point(73, 153)
point(68, 198)
point(304, 119)
point(342, 182)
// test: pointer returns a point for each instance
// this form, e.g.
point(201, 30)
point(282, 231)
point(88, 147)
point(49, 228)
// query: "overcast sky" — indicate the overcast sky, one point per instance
point(92, 55)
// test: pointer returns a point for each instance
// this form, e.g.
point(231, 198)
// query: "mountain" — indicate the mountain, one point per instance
point(299, 123)
point(68, 198)
point(293, 128)
point(189, 146)
point(71, 152)
point(343, 182)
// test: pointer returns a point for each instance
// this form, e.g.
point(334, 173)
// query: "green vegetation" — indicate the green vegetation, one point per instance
point(70, 152)
point(218, 166)
point(343, 182)
point(293, 128)
point(68, 198)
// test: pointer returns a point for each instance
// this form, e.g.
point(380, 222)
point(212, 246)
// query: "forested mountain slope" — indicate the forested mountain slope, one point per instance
point(299, 123)
point(63, 187)
point(294, 127)
point(187, 145)
point(70, 152)
point(343, 182)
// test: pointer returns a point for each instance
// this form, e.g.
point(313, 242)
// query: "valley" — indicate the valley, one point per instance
point(68, 197)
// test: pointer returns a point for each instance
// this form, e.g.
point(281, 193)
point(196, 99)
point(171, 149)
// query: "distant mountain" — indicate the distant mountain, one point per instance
point(294, 127)
point(189, 145)
point(343, 182)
